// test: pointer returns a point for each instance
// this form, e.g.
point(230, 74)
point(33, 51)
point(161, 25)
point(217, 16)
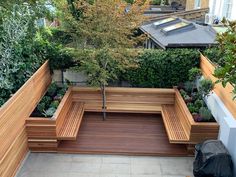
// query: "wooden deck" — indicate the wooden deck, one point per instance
point(123, 133)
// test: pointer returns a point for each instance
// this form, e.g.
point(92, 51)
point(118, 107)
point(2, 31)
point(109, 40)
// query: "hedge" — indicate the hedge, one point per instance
point(163, 68)
point(215, 54)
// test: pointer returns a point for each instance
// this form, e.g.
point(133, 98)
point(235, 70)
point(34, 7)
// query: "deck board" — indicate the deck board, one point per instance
point(123, 133)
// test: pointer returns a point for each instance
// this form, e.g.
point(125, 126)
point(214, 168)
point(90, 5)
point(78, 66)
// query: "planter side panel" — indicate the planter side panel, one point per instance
point(225, 94)
point(204, 131)
point(41, 134)
point(13, 113)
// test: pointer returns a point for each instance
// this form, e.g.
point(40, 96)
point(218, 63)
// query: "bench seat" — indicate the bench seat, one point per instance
point(126, 108)
point(72, 121)
point(174, 128)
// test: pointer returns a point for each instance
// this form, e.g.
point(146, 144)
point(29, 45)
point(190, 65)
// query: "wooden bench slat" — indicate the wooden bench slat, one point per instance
point(72, 121)
point(125, 107)
point(174, 128)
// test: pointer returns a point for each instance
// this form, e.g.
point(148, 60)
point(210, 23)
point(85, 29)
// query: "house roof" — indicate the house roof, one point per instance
point(179, 33)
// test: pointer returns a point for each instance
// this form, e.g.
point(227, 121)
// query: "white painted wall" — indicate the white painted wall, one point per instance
point(76, 77)
point(227, 123)
point(218, 8)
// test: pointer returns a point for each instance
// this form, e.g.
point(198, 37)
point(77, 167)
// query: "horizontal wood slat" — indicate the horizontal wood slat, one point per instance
point(225, 94)
point(174, 128)
point(197, 131)
point(72, 120)
point(13, 113)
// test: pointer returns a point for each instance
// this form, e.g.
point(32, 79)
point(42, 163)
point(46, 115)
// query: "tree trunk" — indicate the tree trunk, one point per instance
point(62, 76)
point(103, 101)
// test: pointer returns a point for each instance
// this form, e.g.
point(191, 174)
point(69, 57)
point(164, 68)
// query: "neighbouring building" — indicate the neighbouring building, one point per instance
point(223, 8)
point(193, 4)
point(174, 32)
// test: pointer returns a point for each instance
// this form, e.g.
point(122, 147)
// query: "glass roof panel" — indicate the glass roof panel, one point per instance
point(175, 26)
point(166, 20)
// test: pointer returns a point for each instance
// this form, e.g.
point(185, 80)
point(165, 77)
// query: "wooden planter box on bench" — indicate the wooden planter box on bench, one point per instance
point(182, 128)
point(44, 134)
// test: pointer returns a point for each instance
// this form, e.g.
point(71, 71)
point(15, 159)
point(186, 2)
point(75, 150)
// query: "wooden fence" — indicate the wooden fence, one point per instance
point(13, 138)
point(225, 94)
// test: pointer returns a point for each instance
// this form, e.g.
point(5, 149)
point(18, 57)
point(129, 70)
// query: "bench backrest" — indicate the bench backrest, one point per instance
point(62, 109)
point(182, 112)
point(125, 95)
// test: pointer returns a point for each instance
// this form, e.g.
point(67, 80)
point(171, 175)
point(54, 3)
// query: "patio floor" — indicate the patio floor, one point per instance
point(75, 165)
point(123, 133)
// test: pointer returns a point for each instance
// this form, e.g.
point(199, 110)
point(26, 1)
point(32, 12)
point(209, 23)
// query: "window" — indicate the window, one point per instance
point(228, 8)
point(197, 4)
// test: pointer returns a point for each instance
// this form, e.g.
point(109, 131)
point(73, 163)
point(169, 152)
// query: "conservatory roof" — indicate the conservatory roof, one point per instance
point(176, 32)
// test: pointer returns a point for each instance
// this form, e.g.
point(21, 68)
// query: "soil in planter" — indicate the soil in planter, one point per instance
point(50, 101)
point(196, 105)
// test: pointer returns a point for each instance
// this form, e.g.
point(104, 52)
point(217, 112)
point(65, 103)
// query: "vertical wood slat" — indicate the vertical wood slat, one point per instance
point(13, 113)
point(225, 94)
point(198, 131)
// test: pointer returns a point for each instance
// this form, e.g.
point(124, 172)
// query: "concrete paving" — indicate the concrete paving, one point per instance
point(76, 165)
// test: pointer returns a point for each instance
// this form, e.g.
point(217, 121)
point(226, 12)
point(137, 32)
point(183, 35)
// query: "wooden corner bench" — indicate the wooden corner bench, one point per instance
point(45, 134)
point(178, 121)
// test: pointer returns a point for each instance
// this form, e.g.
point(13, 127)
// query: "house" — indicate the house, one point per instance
point(174, 32)
point(223, 8)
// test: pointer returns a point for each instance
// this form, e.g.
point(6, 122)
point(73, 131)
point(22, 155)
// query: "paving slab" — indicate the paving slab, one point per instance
point(80, 165)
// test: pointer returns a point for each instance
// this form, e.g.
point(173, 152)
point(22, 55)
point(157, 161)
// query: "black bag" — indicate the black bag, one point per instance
point(212, 159)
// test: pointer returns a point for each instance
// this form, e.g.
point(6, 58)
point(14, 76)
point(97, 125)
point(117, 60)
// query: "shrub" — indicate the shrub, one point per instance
point(198, 103)
point(60, 58)
point(205, 114)
point(46, 100)
point(215, 54)
point(52, 89)
point(205, 87)
point(163, 68)
point(192, 108)
point(60, 36)
point(51, 100)
point(49, 112)
point(155, 2)
point(194, 73)
point(55, 104)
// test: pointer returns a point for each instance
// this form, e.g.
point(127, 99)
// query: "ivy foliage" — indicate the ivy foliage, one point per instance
point(215, 54)
point(163, 68)
point(19, 55)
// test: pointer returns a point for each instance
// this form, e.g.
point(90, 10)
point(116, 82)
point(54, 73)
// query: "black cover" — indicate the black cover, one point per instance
point(212, 159)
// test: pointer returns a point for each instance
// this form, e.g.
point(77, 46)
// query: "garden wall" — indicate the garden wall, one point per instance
point(13, 113)
point(223, 108)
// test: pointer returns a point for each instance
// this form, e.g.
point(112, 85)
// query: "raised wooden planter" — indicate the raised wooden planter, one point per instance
point(197, 131)
point(42, 132)
point(13, 138)
point(225, 94)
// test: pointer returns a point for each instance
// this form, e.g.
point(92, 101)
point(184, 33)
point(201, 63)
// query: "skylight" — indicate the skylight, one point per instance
point(166, 20)
point(177, 27)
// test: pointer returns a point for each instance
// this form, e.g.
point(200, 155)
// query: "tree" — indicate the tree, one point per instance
point(227, 40)
point(110, 29)
point(18, 56)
